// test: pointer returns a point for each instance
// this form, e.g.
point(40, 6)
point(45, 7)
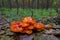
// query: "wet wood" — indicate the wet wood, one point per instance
point(25, 37)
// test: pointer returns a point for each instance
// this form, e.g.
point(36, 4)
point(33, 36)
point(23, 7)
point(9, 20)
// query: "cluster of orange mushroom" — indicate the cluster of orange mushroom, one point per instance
point(27, 25)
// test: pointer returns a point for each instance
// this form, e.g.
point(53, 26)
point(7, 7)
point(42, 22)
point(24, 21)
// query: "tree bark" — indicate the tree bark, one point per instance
point(9, 3)
point(17, 6)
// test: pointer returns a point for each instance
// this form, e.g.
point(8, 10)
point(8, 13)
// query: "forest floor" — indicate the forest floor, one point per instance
point(7, 16)
point(6, 34)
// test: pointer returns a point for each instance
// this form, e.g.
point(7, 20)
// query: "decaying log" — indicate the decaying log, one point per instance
point(52, 31)
point(25, 37)
point(49, 33)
